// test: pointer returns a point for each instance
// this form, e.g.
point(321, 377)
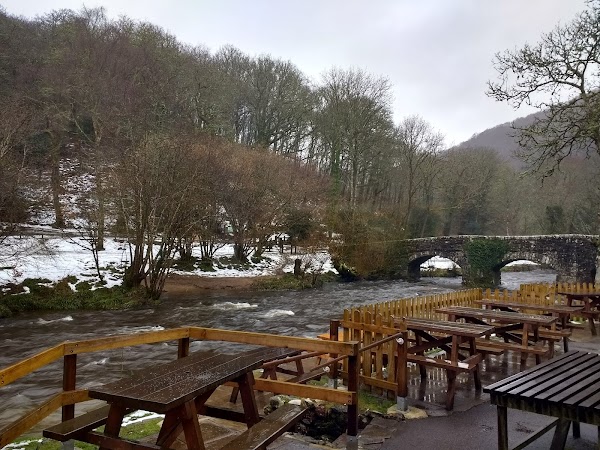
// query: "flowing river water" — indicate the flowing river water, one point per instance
point(294, 313)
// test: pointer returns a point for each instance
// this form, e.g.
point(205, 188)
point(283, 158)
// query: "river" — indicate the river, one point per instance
point(295, 313)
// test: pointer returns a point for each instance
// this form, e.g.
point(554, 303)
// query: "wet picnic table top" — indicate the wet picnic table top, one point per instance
point(499, 316)
point(165, 386)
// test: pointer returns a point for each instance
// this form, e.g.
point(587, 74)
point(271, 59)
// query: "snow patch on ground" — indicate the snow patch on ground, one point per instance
point(55, 258)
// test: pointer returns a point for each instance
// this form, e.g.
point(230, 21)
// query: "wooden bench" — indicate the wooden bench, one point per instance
point(505, 324)
point(566, 387)
point(484, 349)
point(268, 429)
point(466, 365)
point(530, 349)
point(257, 437)
point(79, 426)
point(450, 337)
point(555, 335)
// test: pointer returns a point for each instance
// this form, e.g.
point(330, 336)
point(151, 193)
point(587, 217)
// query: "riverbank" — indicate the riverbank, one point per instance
point(190, 284)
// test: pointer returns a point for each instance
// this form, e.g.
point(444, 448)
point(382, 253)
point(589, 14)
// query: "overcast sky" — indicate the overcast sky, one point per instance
point(437, 54)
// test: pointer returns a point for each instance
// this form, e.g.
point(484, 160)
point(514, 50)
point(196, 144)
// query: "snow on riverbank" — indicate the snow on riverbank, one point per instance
point(55, 257)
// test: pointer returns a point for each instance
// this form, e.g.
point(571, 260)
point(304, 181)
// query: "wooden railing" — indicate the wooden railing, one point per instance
point(68, 351)
point(423, 307)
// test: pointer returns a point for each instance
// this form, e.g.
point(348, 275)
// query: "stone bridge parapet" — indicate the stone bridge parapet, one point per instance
point(573, 256)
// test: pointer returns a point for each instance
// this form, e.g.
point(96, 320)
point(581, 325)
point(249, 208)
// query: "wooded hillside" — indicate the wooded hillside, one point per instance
point(186, 144)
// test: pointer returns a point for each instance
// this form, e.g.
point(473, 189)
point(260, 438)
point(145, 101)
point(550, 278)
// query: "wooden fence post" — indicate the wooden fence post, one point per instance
point(69, 379)
point(353, 383)
point(334, 326)
point(183, 347)
point(401, 368)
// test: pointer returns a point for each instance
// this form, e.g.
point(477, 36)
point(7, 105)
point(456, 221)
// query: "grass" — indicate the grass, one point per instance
point(372, 402)
point(366, 400)
point(60, 297)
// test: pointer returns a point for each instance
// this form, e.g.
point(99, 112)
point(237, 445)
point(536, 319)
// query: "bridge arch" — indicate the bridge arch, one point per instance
point(415, 262)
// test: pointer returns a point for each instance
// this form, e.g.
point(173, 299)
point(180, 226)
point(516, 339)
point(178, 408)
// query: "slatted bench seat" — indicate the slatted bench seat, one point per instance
point(484, 349)
point(268, 429)
point(466, 365)
point(75, 428)
point(530, 349)
point(551, 336)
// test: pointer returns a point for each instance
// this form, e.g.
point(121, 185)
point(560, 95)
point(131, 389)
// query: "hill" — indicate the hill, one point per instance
point(501, 138)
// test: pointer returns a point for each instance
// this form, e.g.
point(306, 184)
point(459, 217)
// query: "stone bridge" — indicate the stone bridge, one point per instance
point(574, 257)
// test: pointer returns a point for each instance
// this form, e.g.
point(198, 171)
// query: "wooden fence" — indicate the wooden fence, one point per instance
point(549, 290)
point(541, 294)
point(423, 306)
point(377, 363)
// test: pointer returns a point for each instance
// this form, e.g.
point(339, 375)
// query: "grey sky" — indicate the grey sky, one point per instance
point(436, 53)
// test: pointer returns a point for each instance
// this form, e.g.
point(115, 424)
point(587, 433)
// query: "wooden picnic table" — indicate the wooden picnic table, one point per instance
point(591, 305)
point(561, 311)
point(566, 387)
point(178, 389)
point(448, 336)
point(512, 326)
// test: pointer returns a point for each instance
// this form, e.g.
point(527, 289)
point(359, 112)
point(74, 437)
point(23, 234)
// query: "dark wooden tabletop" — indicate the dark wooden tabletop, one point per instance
point(499, 316)
point(559, 309)
point(447, 327)
point(165, 386)
point(567, 386)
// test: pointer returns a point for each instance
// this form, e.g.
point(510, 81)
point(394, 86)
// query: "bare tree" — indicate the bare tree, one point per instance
point(354, 127)
point(419, 146)
point(560, 74)
point(156, 183)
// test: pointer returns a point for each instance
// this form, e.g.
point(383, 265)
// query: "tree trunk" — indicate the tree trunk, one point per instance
point(99, 191)
point(100, 195)
point(238, 251)
point(59, 221)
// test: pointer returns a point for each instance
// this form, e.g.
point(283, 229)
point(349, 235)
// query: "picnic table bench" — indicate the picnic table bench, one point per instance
point(590, 302)
point(448, 336)
point(566, 387)
point(563, 313)
point(178, 389)
point(519, 331)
